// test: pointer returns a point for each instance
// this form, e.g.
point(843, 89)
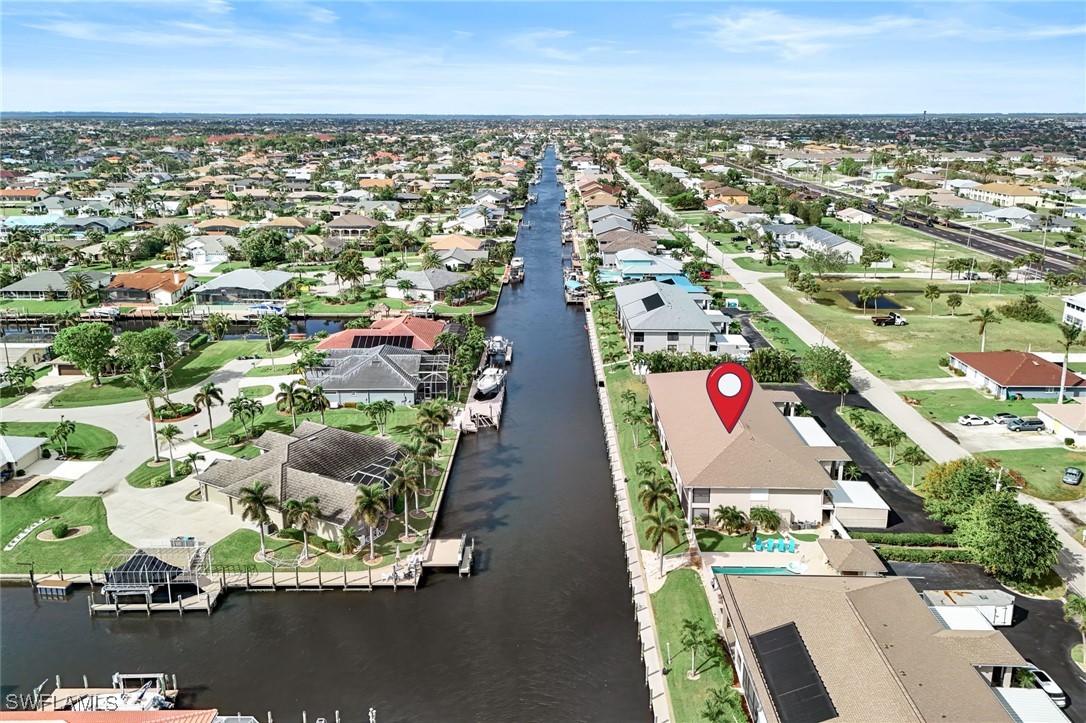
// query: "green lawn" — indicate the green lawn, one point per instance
point(9, 394)
point(230, 266)
point(263, 369)
point(1041, 470)
point(143, 476)
point(914, 351)
point(260, 390)
point(946, 405)
point(189, 370)
point(41, 307)
point(716, 541)
point(683, 597)
point(903, 471)
point(87, 442)
point(77, 555)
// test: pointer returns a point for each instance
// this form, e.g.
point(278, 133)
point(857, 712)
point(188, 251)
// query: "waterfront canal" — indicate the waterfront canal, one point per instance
point(544, 630)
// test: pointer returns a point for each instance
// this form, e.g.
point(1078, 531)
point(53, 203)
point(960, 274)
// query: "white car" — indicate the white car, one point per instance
point(974, 420)
point(1049, 686)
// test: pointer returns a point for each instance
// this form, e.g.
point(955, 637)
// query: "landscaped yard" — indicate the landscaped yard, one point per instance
point(9, 394)
point(717, 541)
point(682, 597)
point(946, 405)
point(87, 442)
point(903, 471)
point(914, 351)
point(186, 372)
point(260, 390)
point(75, 555)
point(146, 474)
point(1042, 470)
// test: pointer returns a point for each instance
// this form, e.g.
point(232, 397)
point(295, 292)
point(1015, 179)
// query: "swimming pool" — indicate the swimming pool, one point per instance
point(751, 571)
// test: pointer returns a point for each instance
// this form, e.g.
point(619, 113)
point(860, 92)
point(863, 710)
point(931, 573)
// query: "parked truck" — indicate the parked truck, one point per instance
point(891, 319)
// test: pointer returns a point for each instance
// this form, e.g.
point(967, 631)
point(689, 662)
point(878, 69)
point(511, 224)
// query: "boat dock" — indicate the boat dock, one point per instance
point(482, 413)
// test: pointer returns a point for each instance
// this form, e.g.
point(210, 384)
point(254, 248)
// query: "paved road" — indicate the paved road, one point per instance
point(136, 515)
point(994, 244)
point(1039, 632)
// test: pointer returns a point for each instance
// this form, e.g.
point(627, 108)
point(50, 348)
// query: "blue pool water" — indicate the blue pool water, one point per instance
point(751, 571)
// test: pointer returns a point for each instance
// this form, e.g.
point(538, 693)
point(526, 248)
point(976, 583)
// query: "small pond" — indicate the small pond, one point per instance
point(882, 304)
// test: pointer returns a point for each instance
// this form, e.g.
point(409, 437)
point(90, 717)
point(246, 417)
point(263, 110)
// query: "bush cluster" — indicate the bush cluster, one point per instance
point(926, 554)
point(908, 539)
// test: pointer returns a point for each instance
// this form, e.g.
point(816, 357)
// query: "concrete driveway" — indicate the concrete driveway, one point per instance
point(997, 436)
point(1039, 632)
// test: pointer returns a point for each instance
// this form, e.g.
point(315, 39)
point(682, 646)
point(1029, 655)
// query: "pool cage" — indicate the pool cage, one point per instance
point(168, 564)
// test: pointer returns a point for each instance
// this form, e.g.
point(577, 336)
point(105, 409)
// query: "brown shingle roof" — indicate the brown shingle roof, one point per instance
point(1017, 368)
point(851, 556)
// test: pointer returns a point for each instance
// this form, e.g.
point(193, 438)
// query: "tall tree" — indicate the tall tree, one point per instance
point(208, 396)
point(984, 317)
point(1010, 538)
point(169, 433)
point(87, 346)
point(255, 501)
point(931, 293)
point(1071, 335)
point(292, 396)
point(661, 526)
point(371, 504)
point(300, 514)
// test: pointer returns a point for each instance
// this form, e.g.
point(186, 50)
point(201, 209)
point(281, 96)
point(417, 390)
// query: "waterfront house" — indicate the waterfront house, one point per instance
point(636, 264)
point(607, 224)
point(458, 259)
point(410, 332)
point(446, 242)
point(599, 214)
point(149, 287)
point(426, 285)
point(385, 371)
point(46, 285)
point(661, 317)
point(1016, 375)
point(312, 461)
point(765, 461)
point(243, 286)
point(621, 239)
point(820, 648)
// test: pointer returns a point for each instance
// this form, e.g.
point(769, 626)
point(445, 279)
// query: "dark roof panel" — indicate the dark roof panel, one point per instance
point(798, 693)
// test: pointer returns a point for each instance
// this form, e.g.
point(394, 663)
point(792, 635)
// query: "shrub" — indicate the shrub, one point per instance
point(289, 533)
point(1069, 441)
point(46, 453)
point(1027, 308)
point(172, 411)
point(944, 361)
point(61, 530)
point(908, 539)
point(198, 341)
point(924, 554)
point(957, 372)
point(161, 481)
point(331, 546)
point(350, 405)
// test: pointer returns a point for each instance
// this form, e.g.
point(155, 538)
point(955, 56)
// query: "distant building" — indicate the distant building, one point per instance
point(1002, 194)
point(45, 285)
point(241, 286)
point(149, 286)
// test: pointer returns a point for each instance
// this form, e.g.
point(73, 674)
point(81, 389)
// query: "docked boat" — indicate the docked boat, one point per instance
point(516, 269)
point(490, 382)
point(499, 351)
point(526, 224)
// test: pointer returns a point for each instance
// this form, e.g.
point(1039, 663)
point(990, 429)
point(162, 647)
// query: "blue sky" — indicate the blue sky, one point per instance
point(301, 56)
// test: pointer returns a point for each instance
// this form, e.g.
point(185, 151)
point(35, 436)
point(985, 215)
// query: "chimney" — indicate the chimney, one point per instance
point(176, 277)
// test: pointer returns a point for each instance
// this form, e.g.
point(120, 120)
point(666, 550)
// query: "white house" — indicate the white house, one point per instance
point(855, 215)
point(1066, 421)
point(1074, 309)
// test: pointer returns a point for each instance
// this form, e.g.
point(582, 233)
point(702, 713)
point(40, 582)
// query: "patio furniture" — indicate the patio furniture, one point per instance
point(791, 545)
point(758, 545)
point(771, 545)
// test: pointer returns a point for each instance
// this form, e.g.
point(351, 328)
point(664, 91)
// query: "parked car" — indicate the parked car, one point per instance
point(971, 276)
point(1003, 417)
point(1026, 424)
point(973, 420)
point(1072, 476)
point(749, 249)
point(1049, 686)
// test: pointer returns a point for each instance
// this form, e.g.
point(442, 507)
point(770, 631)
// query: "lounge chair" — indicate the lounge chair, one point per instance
point(792, 545)
point(758, 545)
point(771, 545)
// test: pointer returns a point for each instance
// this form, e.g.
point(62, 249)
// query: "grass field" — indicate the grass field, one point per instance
point(1042, 470)
point(187, 371)
point(914, 351)
point(683, 598)
point(946, 405)
point(87, 442)
point(260, 390)
point(76, 555)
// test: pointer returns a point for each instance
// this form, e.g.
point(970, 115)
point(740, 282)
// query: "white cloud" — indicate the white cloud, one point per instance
point(322, 15)
point(541, 42)
point(217, 7)
point(792, 36)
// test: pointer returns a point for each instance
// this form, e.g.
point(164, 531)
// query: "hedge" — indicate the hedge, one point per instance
point(173, 411)
point(926, 554)
point(908, 539)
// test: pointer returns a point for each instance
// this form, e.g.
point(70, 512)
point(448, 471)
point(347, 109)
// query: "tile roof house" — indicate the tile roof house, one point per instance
point(621, 239)
point(443, 242)
point(763, 461)
point(50, 284)
point(149, 286)
point(313, 460)
point(352, 225)
point(412, 332)
point(241, 286)
point(816, 648)
point(383, 371)
point(1016, 374)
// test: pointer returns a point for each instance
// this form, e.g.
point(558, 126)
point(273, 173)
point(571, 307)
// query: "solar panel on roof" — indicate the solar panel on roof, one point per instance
point(652, 301)
point(798, 692)
point(367, 341)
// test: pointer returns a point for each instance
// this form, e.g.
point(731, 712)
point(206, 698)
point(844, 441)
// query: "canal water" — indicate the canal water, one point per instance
point(543, 631)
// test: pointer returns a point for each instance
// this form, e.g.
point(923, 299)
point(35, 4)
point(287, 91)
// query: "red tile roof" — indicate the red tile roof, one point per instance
point(1017, 369)
point(423, 331)
point(150, 279)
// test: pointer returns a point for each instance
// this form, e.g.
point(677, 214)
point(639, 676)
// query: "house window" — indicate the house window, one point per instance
point(759, 495)
point(639, 336)
point(673, 336)
point(701, 495)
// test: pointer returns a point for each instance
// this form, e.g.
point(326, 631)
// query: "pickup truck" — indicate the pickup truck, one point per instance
point(891, 319)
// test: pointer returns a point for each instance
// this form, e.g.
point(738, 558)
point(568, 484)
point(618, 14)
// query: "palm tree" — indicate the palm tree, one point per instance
point(169, 434)
point(632, 417)
point(931, 293)
point(301, 515)
point(914, 457)
point(79, 286)
point(654, 494)
point(272, 326)
point(173, 235)
point(317, 401)
point(370, 504)
point(765, 518)
point(348, 540)
point(432, 418)
point(255, 501)
point(192, 458)
point(208, 396)
point(245, 410)
point(216, 325)
point(661, 526)
point(60, 434)
point(430, 260)
point(291, 395)
point(695, 638)
point(379, 411)
point(1074, 608)
point(404, 480)
point(1072, 335)
point(148, 382)
point(985, 317)
point(731, 518)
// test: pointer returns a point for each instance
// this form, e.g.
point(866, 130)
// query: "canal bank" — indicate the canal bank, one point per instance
point(544, 629)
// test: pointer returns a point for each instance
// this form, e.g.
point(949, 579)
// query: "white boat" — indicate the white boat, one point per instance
point(490, 381)
point(517, 262)
point(497, 344)
point(267, 309)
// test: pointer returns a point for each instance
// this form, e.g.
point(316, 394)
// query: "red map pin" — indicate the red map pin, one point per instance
point(729, 386)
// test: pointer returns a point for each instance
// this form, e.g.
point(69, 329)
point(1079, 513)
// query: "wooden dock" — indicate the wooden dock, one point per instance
point(482, 413)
